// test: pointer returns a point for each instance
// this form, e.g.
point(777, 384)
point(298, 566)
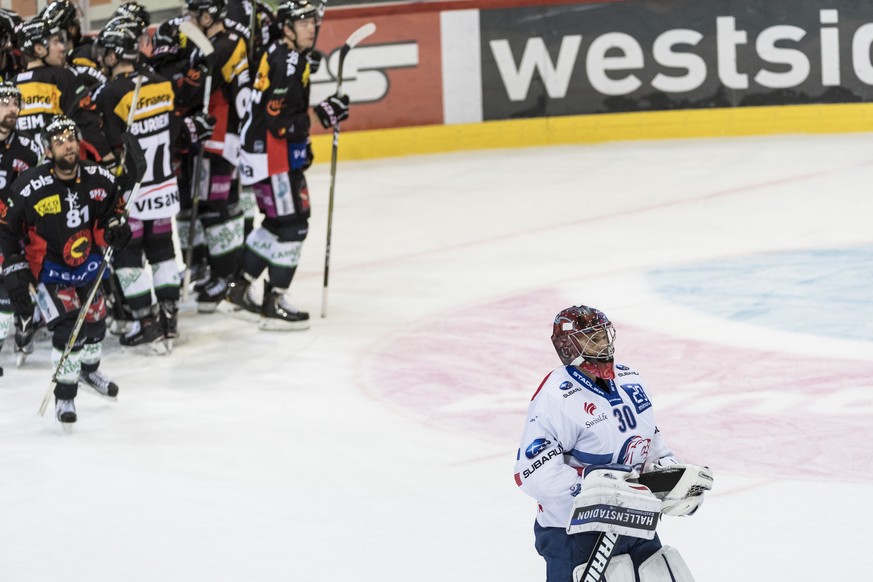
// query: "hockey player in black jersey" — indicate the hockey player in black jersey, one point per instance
point(18, 152)
point(11, 59)
point(275, 154)
point(64, 211)
point(219, 213)
point(152, 300)
point(49, 89)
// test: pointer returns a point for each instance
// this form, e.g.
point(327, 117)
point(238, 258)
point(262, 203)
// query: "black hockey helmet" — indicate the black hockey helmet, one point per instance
point(60, 125)
point(10, 90)
point(583, 336)
point(61, 15)
point(215, 8)
point(10, 22)
point(134, 10)
point(120, 40)
point(33, 32)
point(291, 10)
point(134, 25)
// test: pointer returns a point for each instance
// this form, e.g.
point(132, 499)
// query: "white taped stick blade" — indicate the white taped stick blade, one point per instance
point(360, 34)
point(196, 36)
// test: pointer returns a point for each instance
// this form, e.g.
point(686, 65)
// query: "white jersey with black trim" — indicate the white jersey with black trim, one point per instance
point(573, 423)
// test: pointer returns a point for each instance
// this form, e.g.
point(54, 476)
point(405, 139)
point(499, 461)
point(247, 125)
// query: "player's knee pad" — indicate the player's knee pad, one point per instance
point(225, 237)
point(183, 228)
point(165, 274)
point(5, 324)
point(276, 252)
point(665, 565)
point(69, 372)
point(620, 569)
point(133, 281)
point(91, 352)
point(248, 203)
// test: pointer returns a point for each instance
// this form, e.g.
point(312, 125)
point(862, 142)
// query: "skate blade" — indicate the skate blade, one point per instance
point(206, 307)
point(155, 348)
point(20, 359)
point(270, 324)
point(68, 427)
point(120, 327)
point(100, 394)
point(232, 310)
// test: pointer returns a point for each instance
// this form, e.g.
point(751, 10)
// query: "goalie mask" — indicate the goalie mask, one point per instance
point(584, 337)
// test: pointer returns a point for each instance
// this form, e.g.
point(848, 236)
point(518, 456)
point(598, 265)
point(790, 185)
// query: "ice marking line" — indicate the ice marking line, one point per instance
point(603, 218)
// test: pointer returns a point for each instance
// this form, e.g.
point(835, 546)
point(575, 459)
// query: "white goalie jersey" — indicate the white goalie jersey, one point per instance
point(573, 423)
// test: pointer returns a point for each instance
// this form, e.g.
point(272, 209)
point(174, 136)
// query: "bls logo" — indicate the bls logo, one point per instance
point(364, 72)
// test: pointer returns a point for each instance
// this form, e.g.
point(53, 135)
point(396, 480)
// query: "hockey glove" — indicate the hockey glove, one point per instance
point(117, 232)
point(314, 57)
point(333, 110)
point(18, 279)
point(611, 502)
point(310, 157)
point(200, 127)
point(680, 487)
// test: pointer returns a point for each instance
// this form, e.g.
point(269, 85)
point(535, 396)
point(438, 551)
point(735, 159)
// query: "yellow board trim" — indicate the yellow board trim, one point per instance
point(648, 125)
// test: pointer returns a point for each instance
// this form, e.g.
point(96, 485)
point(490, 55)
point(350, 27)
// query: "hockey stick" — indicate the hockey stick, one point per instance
point(353, 40)
point(131, 148)
point(251, 44)
point(199, 39)
point(595, 570)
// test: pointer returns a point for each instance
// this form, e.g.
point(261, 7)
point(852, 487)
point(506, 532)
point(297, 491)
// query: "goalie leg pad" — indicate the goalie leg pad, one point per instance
point(665, 565)
point(620, 569)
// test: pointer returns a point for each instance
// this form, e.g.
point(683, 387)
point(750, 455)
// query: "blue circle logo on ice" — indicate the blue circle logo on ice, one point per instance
point(824, 292)
point(536, 447)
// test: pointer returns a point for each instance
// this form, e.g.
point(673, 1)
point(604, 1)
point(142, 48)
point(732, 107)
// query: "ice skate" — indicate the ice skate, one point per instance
point(24, 330)
point(146, 337)
point(65, 411)
point(168, 313)
point(200, 276)
point(278, 315)
point(100, 382)
point(211, 295)
point(239, 302)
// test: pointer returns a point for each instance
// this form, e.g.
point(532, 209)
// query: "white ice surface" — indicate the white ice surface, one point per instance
point(379, 445)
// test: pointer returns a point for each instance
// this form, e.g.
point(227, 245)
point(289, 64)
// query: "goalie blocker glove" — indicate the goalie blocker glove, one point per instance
point(610, 501)
point(333, 110)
